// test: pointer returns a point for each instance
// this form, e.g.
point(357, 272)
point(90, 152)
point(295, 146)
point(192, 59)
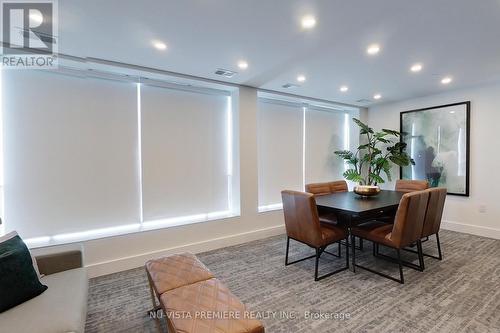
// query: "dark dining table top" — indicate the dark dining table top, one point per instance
point(350, 202)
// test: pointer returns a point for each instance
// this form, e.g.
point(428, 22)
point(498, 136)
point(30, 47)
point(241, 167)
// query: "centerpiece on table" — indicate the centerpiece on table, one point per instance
point(377, 153)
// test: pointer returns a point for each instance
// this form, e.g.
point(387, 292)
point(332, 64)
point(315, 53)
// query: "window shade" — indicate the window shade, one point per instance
point(184, 152)
point(325, 133)
point(280, 150)
point(70, 153)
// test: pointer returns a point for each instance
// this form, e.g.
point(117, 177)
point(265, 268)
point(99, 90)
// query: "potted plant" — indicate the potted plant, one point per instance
point(377, 154)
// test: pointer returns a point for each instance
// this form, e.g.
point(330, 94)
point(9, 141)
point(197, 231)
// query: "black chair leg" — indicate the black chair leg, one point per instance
point(401, 278)
point(361, 244)
point(318, 254)
point(375, 250)
point(439, 257)
point(346, 254)
point(353, 248)
point(287, 247)
point(420, 267)
point(287, 263)
point(420, 255)
point(439, 247)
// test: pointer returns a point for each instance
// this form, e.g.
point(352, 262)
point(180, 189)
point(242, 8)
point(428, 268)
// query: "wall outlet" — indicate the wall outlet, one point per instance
point(482, 209)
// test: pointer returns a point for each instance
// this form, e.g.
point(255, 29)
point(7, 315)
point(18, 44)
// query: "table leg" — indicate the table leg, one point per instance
point(351, 238)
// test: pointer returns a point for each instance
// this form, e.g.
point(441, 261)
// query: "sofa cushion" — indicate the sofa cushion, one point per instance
point(18, 279)
point(61, 308)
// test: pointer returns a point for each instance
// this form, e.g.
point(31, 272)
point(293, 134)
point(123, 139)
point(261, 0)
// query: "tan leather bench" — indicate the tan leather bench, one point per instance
point(193, 300)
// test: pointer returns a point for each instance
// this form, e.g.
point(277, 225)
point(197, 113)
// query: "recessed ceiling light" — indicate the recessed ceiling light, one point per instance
point(377, 96)
point(301, 78)
point(159, 45)
point(242, 64)
point(416, 68)
point(344, 88)
point(308, 22)
point(452, 112)
point(446, 80)
point(373, 49)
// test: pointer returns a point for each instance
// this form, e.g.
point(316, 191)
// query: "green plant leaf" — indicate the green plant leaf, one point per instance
point(353, 161)
point(365, 129)
point(387, 170)
point(383, 140)
point(353, 175)
point(345, 154)
point(400, 159)
point(377, 178)
point(375, 151)
point(391, 132)
point(380, 134)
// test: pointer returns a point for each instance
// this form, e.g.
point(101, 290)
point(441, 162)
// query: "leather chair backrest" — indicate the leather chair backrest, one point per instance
point(338, 186)
point(318, 188)
point(301, 217)
point(435, 207)
point(327, 188)
point(409, 219)
point(404, 185)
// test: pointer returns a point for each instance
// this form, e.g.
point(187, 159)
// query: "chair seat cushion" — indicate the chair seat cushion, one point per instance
point(207, 307)
point(61, 308)
point(331, 233)
point(329, 218)
point(376, 231)
point(175, 271)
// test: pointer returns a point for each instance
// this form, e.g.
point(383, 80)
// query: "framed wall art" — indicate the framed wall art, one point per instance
point(438, 140)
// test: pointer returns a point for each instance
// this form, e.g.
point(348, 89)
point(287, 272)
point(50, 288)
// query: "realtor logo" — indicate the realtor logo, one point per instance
point(29, 34)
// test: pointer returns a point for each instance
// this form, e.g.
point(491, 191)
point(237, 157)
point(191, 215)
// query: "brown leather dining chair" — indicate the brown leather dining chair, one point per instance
point(302, 225)
point(319, 189)
point(432, 222)
point(407, 229)
point(406, 185)
point(323, 189)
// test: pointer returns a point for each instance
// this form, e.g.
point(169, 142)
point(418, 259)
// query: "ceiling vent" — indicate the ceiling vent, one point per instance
point(290, 86)
point(225, 72)
point(363, 100)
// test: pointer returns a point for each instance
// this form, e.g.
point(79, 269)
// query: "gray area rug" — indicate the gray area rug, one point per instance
point(459, 294)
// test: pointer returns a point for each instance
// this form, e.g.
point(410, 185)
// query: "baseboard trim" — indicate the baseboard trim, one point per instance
point(125, 263)
point(471, 229)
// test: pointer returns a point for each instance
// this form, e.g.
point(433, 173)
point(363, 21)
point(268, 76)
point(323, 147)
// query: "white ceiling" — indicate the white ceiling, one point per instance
point(460, 38)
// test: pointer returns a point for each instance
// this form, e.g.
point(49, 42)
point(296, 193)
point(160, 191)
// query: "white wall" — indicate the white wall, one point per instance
point(112, 254)
point(480, 213)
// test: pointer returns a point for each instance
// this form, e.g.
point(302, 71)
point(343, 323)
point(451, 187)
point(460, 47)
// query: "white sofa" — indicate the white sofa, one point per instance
point(62, 307)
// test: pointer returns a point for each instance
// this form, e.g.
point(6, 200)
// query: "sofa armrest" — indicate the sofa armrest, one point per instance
point(58, 262)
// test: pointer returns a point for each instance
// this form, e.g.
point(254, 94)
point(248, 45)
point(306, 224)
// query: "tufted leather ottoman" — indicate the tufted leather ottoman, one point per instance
point(176, 271)
point(193, 300)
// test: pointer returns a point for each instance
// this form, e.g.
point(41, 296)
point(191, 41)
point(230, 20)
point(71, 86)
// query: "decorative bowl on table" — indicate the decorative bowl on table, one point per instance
point(366, 190)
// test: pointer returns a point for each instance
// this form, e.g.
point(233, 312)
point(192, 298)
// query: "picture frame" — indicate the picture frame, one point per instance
point(438, 140)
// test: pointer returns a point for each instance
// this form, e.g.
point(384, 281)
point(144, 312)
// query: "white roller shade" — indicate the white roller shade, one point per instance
point(280, 150)
point(184, 153)
point(70, 153)
point(325, 133)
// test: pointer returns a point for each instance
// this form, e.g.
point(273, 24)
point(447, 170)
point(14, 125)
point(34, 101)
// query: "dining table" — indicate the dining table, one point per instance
point(352, 209)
